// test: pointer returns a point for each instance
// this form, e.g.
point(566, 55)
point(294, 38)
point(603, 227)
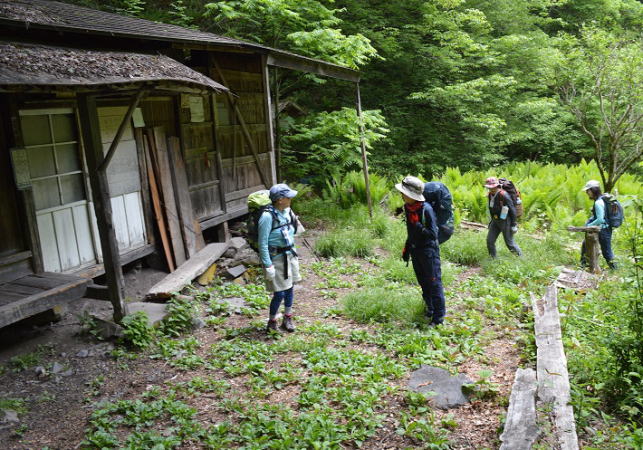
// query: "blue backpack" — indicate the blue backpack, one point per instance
point(439, 196)
point(613, 211)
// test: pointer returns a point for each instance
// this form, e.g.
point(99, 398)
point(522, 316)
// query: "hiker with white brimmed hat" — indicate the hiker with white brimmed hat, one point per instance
point(422, 247)
point(598, 219)
point(504, 219)
point(276, 241)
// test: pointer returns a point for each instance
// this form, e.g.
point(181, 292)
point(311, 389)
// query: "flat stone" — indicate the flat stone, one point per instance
point(57, 367)
point(83, 353)
point(67, 373)
point(235, 304)
point(236, 271)
point(447, 388)
point(238, 243)
point(156, 312)
point(10, 416)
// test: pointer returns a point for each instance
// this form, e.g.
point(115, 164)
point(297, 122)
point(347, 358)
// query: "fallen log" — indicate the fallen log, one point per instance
point(551, 368)
point(187, 271)
point(520, 431)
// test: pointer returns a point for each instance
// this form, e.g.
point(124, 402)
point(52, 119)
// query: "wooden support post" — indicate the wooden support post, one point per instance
point(272, 128)
point(90, 131)
point(358, 101)
point(246, 133)
point(591, 246)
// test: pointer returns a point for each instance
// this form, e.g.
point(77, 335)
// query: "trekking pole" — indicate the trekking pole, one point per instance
point(309, 247)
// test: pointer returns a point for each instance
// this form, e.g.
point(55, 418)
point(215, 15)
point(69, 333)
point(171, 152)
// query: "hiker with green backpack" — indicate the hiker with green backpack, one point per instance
point(275, 232)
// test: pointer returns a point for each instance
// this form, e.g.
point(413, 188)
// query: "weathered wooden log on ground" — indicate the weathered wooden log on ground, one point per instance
point(591, 246)
point(553, 378)
point(188, 271)
point(521, 430)
point(576, 279)
point(472, 225)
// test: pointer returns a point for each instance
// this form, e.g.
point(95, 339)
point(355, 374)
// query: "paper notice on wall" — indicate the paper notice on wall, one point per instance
point(196, 109)
point(137, 118)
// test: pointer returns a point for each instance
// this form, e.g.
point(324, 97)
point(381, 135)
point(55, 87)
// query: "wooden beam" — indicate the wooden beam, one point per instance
point(188, 271)
point(520, 431)
point(164, 179)
point(156, 204)
point(90, 131)
point(244, 127)
point(148, 211)
point(121, 129)
point(191, 230)
point(215, 121)
point(271, 125)
point(26, 306)
point(296, 62)
point(358, 102)
point(551, 368)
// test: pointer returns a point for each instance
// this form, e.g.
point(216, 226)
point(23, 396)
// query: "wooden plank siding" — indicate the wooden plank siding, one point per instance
point(244, 77)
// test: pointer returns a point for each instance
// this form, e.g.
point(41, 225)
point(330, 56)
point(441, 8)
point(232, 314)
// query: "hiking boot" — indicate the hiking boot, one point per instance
point(287, 324)
point(272, 326)
point(612, 265)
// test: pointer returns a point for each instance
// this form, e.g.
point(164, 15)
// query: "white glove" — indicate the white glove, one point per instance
point(270, 272)
point(514, 229)
point(294, 267)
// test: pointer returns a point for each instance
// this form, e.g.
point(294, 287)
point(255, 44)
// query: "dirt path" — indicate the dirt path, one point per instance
point(55, 407)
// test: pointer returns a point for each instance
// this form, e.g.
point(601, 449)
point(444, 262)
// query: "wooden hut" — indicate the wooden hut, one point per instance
point(109, 154)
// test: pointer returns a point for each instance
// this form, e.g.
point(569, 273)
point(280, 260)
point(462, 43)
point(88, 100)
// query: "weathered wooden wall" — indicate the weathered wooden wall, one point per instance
point(244, 76)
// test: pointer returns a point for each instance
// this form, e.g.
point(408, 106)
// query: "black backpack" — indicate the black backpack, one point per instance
point(614, 214)
point(439, 197)
point(510, 188)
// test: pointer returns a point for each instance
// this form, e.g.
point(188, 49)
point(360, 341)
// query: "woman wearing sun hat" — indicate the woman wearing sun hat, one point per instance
point(277, 228)
point(422, 247)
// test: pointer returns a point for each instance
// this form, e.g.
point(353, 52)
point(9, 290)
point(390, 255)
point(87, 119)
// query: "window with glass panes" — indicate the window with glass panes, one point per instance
point(55, 167)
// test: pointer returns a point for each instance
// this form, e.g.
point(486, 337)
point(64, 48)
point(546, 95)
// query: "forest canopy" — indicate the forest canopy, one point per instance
point(466, 83)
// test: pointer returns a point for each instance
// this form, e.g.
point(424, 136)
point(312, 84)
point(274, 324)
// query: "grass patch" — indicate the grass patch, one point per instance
point(345, 242)
point(468, 248)
point(391, 304)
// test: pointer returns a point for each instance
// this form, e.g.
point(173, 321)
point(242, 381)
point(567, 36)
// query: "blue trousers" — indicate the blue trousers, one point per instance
point(605, 241)
point(277, 297)
point(426, 264)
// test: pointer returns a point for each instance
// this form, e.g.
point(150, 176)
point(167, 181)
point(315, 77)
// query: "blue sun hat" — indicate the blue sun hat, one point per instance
point(281, 190)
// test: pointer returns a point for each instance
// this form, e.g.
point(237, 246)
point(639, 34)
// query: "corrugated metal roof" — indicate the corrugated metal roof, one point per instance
point(39, 65)
point(65, 17)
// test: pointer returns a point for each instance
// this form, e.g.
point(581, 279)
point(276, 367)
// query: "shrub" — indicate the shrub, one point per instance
point(181, 313)
point(136, 330)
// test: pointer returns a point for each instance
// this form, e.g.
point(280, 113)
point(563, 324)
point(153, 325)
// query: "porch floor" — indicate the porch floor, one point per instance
point(36, 293)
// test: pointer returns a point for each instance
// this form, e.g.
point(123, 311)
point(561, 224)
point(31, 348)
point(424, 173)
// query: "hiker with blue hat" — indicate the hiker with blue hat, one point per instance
point(422, 247)
point(276, 242)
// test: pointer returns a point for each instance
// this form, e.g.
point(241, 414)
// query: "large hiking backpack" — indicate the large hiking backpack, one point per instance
point(510, 188)
point(438, 195)
point(258, 203)
point(613, 211)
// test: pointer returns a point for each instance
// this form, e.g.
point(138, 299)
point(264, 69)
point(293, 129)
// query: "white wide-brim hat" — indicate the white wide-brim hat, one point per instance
point(411, 187)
